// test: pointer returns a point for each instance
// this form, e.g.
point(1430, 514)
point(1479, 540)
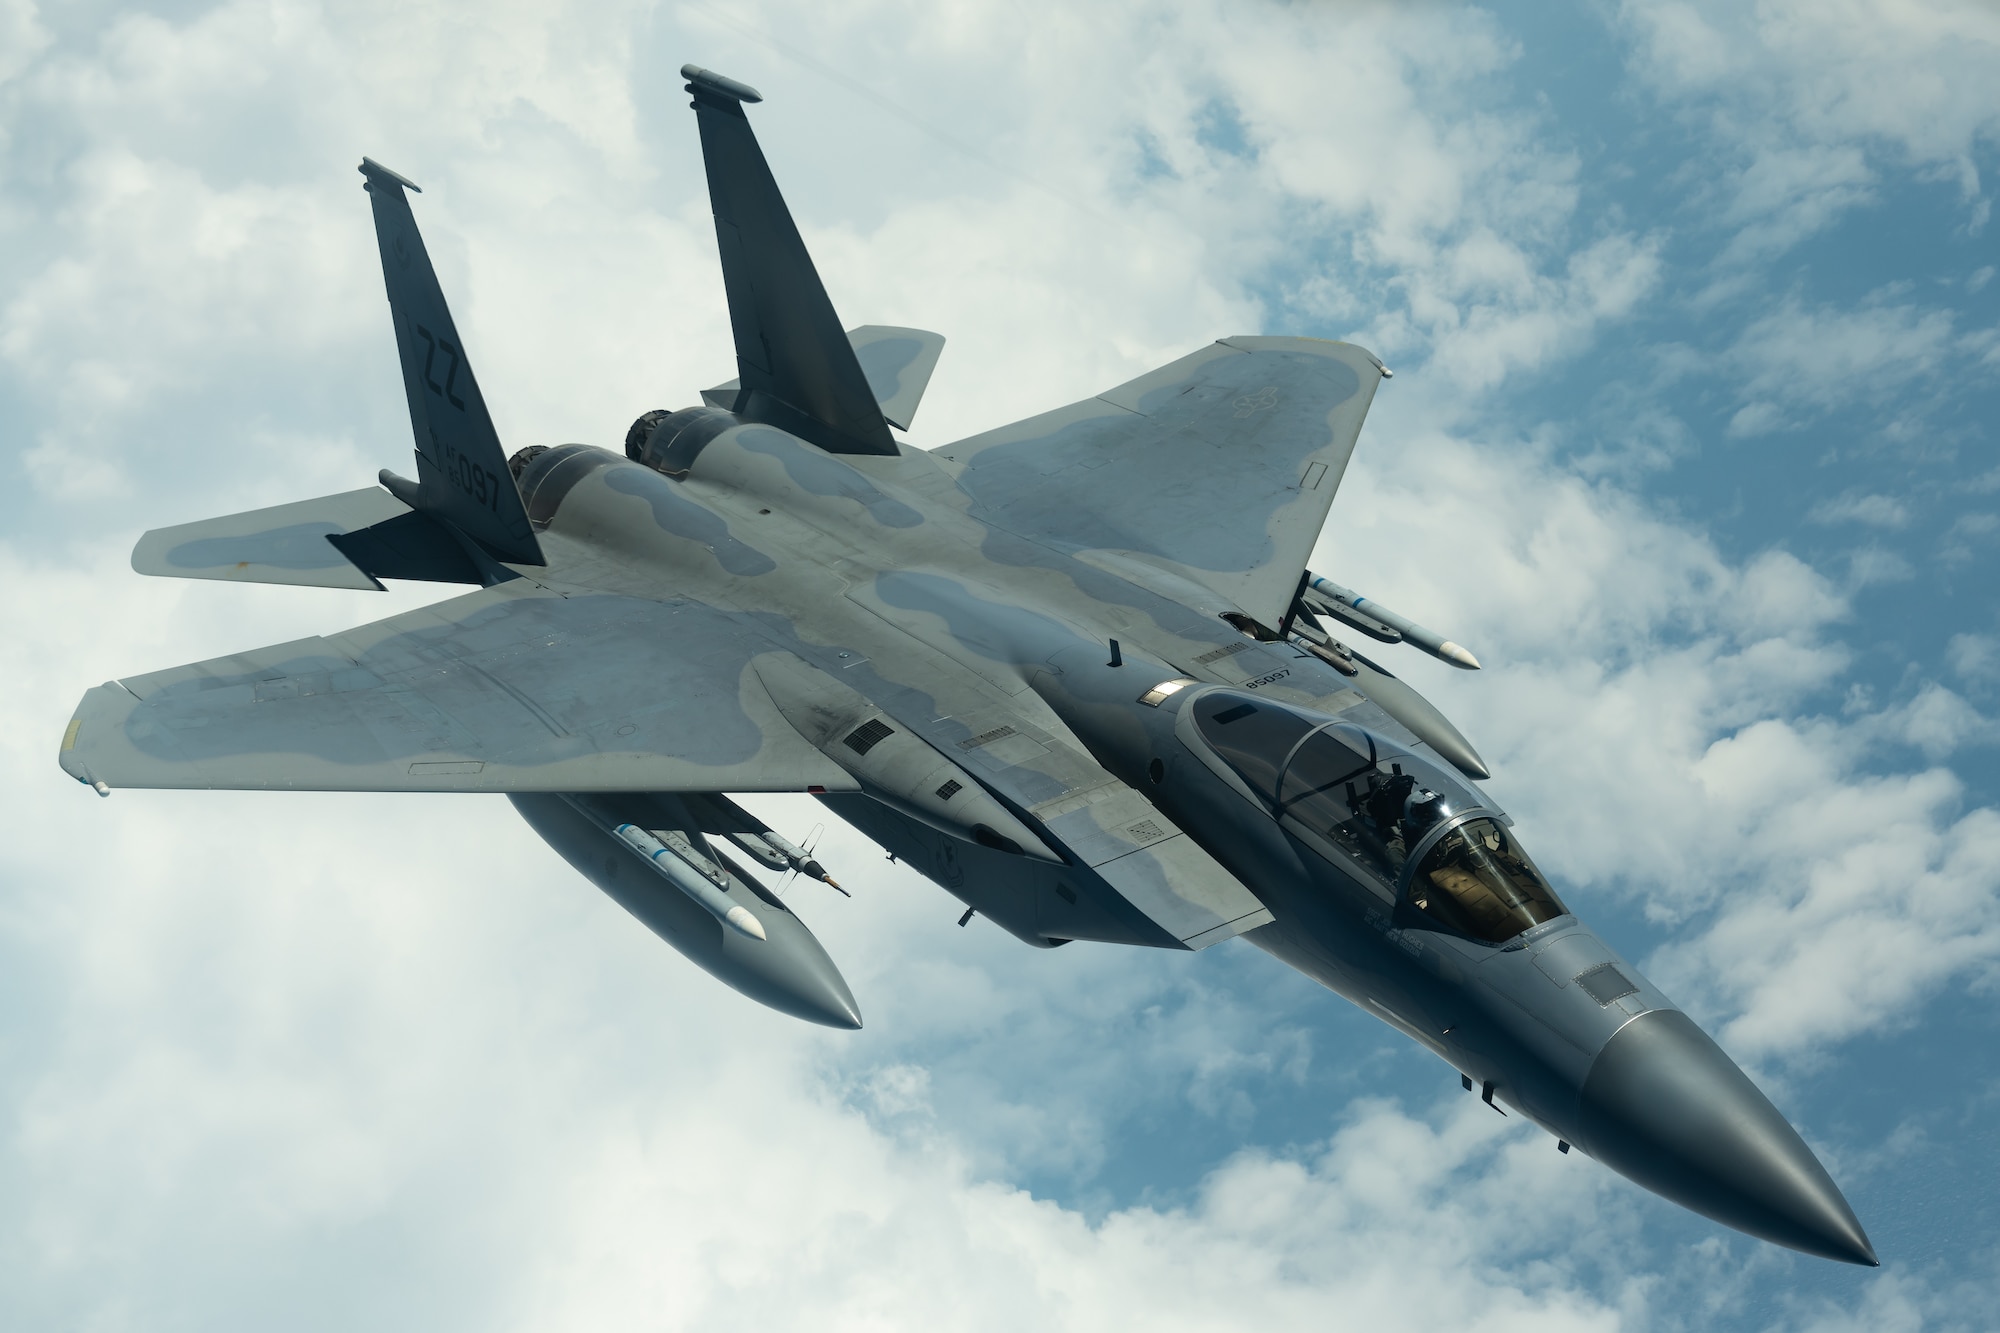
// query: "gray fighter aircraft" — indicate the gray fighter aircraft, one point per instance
point(1074, 670)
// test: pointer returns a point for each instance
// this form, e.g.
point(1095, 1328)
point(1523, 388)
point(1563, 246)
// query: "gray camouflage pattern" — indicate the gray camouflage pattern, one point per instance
point(1014, 662)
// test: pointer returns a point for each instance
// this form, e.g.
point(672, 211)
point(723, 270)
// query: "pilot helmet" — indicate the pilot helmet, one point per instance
point(1422, 808)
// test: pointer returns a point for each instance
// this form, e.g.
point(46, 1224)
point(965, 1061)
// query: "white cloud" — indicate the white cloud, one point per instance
point(1974, 658)
point(1811, 102)
point(1477, 349)
point(1798, 364)
point(22, 37)
point(1875, 511)
point(1871, 565)
point(1783, 195)
point(1968, 536)
point(394, 1054)
point(1269, 1242)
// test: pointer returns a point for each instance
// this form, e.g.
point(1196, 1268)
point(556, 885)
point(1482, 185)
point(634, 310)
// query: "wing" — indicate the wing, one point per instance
point(1220, 465)
point(512, 688)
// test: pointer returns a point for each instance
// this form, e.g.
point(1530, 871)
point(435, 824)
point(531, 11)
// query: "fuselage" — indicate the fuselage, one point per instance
point(1395, 883)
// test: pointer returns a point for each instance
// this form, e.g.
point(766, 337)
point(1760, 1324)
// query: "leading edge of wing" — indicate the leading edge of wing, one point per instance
point(511, 688)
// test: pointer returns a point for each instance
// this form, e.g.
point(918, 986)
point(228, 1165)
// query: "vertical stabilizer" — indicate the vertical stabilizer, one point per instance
point(795, 368)
point(461, 469)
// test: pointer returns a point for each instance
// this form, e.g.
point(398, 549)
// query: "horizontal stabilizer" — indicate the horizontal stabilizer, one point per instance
point(350, 540)
point(897, 363)
point(283, 544)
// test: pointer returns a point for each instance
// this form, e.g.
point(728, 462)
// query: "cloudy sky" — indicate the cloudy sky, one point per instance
point(1693, 312)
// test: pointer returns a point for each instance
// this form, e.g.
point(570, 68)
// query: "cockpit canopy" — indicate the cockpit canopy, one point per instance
point(1371, 798)
point(1378, 804)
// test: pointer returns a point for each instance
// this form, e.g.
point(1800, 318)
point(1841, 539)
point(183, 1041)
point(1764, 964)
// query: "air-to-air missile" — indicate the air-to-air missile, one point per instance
point(791, 856)
point(1379, 622)
point(706, 883)
point(1387, 692)
point(1072, 670)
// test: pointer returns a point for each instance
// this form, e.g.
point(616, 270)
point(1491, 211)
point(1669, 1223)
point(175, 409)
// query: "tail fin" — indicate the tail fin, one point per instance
point(462, 471)
point(795, 368)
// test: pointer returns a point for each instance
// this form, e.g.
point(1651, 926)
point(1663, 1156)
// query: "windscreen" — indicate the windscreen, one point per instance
point(1477, 880)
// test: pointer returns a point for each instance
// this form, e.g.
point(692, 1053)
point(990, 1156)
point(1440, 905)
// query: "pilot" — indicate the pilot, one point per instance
point(1421, 809)
point(1384, 805)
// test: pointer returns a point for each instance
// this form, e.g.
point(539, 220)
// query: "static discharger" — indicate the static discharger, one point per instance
point(690, 881)
point(1347, 606)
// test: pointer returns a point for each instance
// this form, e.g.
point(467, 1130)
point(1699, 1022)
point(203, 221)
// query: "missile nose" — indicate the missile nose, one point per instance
point(1664, 1106)
point(1457, 656)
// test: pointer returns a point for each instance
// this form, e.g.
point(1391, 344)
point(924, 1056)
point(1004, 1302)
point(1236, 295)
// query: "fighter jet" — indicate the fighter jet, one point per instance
point(1074, 670)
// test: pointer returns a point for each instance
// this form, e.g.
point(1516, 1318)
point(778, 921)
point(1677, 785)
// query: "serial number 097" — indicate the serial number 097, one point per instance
point(477, 482)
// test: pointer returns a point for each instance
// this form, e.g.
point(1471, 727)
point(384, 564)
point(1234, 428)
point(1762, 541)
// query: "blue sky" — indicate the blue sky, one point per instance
point(1693, 313)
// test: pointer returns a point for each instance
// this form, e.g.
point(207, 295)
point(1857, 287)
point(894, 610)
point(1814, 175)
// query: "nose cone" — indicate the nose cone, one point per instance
point(1663, 1106)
